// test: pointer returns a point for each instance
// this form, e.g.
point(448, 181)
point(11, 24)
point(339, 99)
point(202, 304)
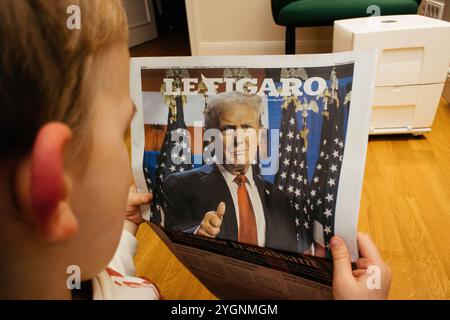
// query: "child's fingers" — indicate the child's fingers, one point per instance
point(368, 249)
point(341, 258)
point(363, 263)
point(136, 199)
point(359, 273)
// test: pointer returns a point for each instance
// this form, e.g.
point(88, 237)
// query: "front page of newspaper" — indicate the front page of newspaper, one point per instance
point(266, 152)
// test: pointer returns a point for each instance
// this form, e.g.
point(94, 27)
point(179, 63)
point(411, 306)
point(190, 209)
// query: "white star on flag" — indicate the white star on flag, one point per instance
point(329, 197)
point(327, 230)
point(333, 168)
point(331, 182)
point(328, 213)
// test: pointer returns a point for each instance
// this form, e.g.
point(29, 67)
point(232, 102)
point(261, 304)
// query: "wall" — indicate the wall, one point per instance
point(242, 27)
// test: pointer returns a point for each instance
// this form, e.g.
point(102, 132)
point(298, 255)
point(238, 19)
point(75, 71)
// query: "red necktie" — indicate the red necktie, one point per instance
point(247, 220)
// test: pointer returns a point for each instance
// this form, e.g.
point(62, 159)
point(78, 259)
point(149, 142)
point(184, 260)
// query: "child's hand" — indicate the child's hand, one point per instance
point(359, 284)
point(136, 199)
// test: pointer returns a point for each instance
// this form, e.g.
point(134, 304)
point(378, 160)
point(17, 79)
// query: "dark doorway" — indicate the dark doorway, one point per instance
point(173, 33)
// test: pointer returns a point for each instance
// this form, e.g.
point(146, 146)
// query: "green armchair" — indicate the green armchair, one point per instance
point(308, 13)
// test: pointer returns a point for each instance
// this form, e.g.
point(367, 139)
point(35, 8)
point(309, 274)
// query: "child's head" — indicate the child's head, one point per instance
point(64, 109)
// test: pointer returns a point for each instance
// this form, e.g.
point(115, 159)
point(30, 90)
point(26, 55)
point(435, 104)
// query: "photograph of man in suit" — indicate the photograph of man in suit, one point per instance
point(229, 199)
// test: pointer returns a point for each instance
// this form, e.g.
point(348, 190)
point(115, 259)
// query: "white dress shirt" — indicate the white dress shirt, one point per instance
point(254, 198)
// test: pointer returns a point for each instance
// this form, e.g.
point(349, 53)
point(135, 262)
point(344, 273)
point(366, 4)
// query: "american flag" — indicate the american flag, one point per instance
point(175, 154)
point(325, 181)
point(291, 177)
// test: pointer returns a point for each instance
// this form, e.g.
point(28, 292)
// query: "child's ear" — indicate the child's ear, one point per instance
point(42, 189)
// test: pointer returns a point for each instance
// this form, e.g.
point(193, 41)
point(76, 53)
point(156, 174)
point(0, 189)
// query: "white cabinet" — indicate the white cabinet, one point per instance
point(446, 93)
point(413, 59)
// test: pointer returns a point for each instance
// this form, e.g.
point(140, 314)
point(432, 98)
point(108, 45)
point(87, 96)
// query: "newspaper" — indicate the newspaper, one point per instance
point(255, 163)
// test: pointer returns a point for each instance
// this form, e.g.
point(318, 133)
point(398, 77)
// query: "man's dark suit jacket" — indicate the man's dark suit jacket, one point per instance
point(189, 195)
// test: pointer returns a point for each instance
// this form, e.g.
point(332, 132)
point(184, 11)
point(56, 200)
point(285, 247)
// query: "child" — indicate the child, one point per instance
point(64, 168)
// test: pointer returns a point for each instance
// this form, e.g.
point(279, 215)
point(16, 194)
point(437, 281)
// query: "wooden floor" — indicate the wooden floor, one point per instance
point(405, 207)
point(169, 43)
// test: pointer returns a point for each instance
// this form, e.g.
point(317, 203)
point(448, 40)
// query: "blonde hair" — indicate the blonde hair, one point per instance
point(44, 69)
